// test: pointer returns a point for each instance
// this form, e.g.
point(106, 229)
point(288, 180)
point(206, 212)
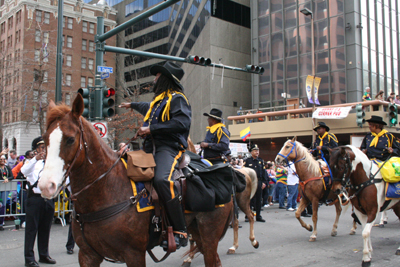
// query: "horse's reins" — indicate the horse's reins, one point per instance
point(290, 152)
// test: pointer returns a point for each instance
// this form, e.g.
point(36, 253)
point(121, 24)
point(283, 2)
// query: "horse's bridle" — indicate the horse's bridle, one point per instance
point(346, 174)
point(290, 152)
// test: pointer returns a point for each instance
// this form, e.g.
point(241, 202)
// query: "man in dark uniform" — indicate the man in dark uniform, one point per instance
point(257, 164)
point(39, 211)
point(167, 122)
point(324, 141)
point(379, 143)
point(216, 142)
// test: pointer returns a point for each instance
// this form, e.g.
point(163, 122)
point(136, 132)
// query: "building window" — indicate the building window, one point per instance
point(10, 22)
point(9, 41)
point(69, 60)
point(70, 23)
point(35, 95)
point(90, 82)
point(83, 63)
point(84, 44)
point(91, 28)
point(69, 41)
point(83, 82)
point(17, 36)
point(91, 46)
point(38, 16)
point(18, 17)
point(46, 37)
point(3, 27)
point(84, 26)
point(68, 79)
point(90, 65)
point(37, 36)
point(68, 99)
point(45, 76)
point(47, 17)
point(63, 22)
point(45, 56)
point(63, 41)
point(37, 55)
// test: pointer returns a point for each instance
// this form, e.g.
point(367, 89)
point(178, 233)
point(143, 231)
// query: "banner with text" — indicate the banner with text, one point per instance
point(317, 82)
point(309, 84)
point(331, 113)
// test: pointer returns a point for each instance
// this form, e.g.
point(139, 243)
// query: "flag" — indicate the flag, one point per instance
point(245, 133)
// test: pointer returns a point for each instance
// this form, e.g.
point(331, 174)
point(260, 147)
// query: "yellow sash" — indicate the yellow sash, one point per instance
point(217, 127)
point(376, 138)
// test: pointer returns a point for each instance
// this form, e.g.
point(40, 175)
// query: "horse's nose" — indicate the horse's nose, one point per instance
point(337, 191)
point(49, 190)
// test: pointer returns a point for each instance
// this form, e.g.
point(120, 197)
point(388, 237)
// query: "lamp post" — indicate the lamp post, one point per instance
point(305, 11)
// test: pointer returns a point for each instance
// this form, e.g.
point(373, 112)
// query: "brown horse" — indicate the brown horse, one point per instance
point(350, 165)
point(311, 183)
point(98, 181)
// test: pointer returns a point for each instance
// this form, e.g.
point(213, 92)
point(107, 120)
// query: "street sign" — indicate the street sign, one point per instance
point(101, 128)
point(105, 69)
point(105, 75)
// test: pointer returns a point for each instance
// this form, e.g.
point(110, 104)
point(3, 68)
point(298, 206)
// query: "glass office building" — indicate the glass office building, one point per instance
point(356, 45)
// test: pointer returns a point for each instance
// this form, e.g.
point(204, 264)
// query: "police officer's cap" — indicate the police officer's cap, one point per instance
point(254, 147)
point(36, 142)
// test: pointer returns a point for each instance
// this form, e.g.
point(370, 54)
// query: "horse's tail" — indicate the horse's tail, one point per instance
point(254, 182)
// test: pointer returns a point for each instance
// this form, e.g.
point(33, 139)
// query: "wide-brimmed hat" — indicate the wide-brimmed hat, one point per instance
point(321, 124)
point(36, 142)
point(254, 147)
point(377, 119)
point(171, 70)
point(214, 113)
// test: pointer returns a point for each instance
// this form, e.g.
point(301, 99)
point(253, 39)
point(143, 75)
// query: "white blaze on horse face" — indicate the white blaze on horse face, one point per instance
point(360, 157)
point(53, 171)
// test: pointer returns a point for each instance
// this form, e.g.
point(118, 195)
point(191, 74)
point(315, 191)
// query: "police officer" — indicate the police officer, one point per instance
point(324, 141)
point(379, 143)
point(39, 211)
point(167, 122)
point(257, 164)
point(216, 142)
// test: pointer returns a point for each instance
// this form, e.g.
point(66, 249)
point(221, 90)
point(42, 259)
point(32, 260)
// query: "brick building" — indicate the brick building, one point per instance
point(28, 40)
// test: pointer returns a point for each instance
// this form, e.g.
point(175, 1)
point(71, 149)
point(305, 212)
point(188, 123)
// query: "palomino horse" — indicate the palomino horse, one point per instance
point(311, 183)
point(98, 182)
point(367, 190)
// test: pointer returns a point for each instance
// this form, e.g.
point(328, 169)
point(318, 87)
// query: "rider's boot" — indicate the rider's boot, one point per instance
point(177, 220)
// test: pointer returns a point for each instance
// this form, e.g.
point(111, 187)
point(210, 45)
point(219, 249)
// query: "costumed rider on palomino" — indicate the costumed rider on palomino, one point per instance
point(167, 122)
point(216, 142)
point(324, 141)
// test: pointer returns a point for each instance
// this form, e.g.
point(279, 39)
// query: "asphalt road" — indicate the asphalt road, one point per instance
point(283, 242)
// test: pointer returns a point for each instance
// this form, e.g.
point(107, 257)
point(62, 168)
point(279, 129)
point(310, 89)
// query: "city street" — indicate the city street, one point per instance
point(283, 242)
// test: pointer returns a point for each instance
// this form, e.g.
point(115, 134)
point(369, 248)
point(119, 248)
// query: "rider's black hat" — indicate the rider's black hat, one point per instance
point(171, 70)
point(377, 119)
point(214, 113)
point(321, 124)
point(36, 142)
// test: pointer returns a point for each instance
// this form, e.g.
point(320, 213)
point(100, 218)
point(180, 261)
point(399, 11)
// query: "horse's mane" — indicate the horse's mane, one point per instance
point(56, 113)
point(311, 164)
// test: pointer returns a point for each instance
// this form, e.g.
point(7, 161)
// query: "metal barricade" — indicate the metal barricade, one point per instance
point(61, 209)
point(13, 197)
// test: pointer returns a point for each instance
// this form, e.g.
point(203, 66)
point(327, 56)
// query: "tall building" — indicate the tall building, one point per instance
point(28, 38)
point(356, 46)
point(217, 29)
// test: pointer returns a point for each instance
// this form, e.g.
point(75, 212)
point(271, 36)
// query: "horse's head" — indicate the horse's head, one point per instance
point(341, 167)
point(287, 153)
point(63, 139)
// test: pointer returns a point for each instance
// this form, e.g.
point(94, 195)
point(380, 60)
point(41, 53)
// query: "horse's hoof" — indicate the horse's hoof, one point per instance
point(256, 245)
point(381, 225)
point(310, 229)
point(334, 233)
point(366, 264)
point(384, 222)
point(312, 239)
point(352, 233)
point(186, 264)
point(398, 252)
point(231, 251)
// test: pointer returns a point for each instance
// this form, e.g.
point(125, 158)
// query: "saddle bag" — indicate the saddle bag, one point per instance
point(140, 166)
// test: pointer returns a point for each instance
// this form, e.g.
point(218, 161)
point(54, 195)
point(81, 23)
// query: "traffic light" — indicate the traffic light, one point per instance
point(108, 102)
point(392, 115)
point(84, 92)
point(360, 115)
point(199, 60)
point(254, 69)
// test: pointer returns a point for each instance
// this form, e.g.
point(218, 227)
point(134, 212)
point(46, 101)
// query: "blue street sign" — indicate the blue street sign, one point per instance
point(105, 75)
point(104, 69)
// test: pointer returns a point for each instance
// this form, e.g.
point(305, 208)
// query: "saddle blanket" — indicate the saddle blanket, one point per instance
point(391, 170)
point(392, 190)
point(144, 203)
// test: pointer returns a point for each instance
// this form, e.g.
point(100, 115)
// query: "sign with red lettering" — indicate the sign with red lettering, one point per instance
point(331, 113)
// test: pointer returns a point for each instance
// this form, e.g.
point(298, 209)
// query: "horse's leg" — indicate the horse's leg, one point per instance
point(353, 230)
point(335, 224)
point(243, 201)
point(383, 219)
point(87, 259)
point(313, 237)
point(235, 227)
point(193, 250)
point(135, 258)
point(303, 204)
point(396, 210)
point(366, 234)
